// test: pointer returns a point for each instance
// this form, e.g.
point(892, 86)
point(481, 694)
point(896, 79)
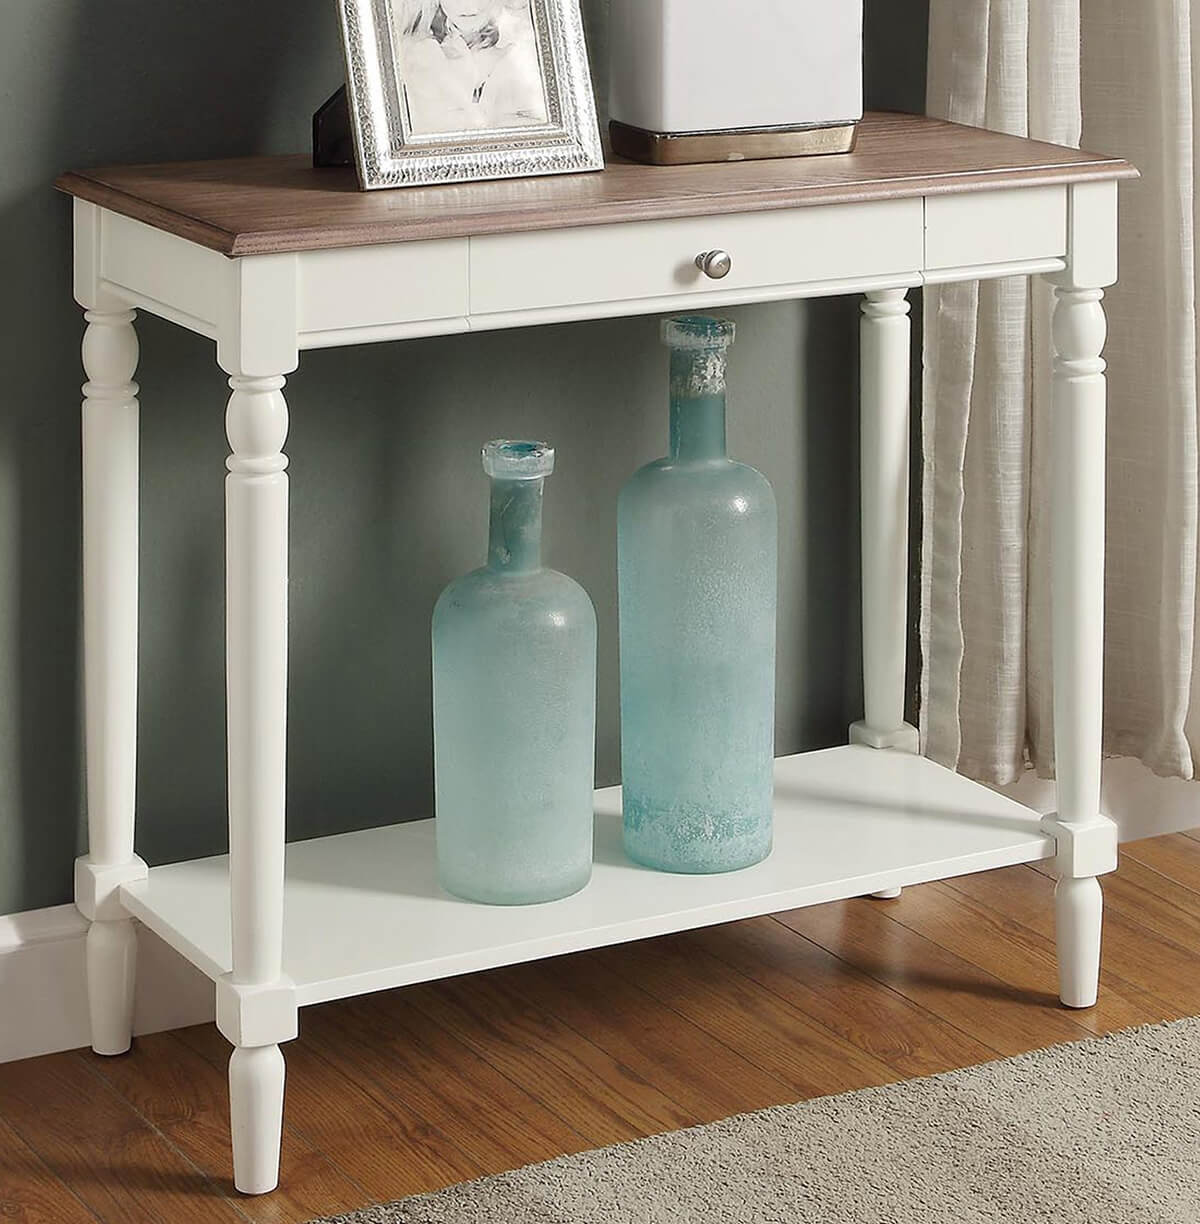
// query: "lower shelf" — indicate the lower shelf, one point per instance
point(363, 911)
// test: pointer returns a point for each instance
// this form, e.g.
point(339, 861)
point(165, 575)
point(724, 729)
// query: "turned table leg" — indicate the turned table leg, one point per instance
point(1087, 841)
point(885, 355)
point(110, 624)
point(255, 1003)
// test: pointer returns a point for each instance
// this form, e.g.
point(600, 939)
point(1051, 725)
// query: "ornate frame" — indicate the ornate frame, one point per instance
point(389, 155)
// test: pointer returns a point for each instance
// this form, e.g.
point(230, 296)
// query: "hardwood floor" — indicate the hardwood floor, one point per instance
point(398, 1093)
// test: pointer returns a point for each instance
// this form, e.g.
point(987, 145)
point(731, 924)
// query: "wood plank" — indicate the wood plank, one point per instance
point(1176, 856)
point(29, 1192)
point(1158, 902)
point(705, 1078)
point(95, 1142)
point(595, 1093)
point(1007, 1019)
point(385, 1148)
point(1134, 961)
point(397, 1054)
point(253, 206)
point(809, 1059)
point(1003, 945)
point(186, 1098)
point(861, 1010)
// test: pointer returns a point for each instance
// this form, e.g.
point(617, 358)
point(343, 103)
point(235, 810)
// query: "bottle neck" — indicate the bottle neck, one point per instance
point(698, 404)
point(515, 537)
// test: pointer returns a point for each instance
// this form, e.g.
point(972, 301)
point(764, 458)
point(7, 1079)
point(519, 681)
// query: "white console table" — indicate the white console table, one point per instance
point(268, 257)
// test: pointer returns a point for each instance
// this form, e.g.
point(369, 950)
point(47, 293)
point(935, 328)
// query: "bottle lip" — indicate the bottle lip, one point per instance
point(516, 459)
point(701, 332)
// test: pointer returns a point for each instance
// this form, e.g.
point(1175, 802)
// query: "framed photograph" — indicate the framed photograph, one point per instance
point(447, 91)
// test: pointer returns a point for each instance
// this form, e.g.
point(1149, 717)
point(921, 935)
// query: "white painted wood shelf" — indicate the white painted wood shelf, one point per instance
point(363, 911)
point(269, 258)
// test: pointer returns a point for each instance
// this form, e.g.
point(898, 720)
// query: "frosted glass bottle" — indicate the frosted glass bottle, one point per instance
point(697, 545)
point(514, 707)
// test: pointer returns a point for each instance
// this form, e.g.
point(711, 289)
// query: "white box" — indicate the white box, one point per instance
point(690, 66)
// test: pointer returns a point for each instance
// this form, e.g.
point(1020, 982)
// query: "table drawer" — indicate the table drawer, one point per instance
point(650, 259)
point(380, 286)
point(995, 227)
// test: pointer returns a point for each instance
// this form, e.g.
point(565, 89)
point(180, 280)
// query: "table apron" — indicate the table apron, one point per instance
point(371, 294)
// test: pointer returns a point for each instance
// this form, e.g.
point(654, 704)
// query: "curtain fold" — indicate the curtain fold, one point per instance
point(1120, 76)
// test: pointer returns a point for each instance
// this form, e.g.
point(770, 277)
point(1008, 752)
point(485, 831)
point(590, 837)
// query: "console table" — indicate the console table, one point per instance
point(268, 257)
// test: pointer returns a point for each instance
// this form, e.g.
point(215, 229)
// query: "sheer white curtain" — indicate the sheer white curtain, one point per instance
point(1124, 77)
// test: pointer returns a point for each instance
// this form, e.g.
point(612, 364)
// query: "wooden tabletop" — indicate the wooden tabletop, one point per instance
point(260, 205)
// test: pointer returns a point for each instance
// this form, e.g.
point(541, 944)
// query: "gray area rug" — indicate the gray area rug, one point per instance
point(1102, 1131)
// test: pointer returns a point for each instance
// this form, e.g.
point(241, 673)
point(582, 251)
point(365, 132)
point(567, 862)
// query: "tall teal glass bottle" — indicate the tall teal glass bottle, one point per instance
point(514, 707)
point(697, 544)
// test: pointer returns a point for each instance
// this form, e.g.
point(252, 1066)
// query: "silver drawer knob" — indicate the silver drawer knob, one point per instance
point(716, 265)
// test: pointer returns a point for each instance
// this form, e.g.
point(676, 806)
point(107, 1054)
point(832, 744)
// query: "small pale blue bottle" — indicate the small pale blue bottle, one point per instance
point(697, 559)
point(514, 707)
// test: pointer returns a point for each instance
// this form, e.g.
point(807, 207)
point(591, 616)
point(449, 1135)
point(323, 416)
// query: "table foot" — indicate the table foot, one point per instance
point(1079, 909)
point(111, 963)
point(256, 1076)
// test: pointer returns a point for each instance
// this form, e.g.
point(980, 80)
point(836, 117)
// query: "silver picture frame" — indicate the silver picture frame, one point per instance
point(414, 125)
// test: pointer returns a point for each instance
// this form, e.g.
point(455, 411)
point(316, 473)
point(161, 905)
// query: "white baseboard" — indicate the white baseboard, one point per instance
point(1142, 804)
point(43, 990)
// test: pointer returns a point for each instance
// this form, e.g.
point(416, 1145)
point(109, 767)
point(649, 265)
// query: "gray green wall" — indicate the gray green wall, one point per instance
point(388, 499)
